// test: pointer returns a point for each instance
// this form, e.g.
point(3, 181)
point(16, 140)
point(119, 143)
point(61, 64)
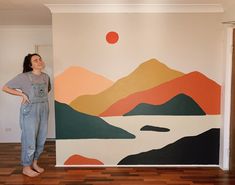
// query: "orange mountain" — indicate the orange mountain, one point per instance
point(77, 81)
point(149, 74)
point(80, 160)
point(204, 91)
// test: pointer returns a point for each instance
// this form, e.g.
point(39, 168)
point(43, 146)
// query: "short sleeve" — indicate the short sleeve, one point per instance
point(17, 82)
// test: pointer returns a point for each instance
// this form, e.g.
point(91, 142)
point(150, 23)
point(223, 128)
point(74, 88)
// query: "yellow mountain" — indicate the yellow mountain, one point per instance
point(149, 74)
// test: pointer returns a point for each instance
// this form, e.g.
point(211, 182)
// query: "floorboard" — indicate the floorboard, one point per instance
point(11, 172)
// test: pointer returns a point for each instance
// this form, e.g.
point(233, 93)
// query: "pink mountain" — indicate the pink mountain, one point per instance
point(204, 91)
point(77, 81)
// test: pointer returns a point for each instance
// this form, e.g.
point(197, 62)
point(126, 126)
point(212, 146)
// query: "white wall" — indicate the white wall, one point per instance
point(186, 42)
point(226, 99)
point(15, 43)
point(229, 15)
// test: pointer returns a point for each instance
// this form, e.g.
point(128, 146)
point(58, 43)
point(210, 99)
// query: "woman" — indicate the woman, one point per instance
point(33, 86)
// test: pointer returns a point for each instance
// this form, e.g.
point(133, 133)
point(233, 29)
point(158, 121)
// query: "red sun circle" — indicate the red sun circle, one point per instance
point(112, 37)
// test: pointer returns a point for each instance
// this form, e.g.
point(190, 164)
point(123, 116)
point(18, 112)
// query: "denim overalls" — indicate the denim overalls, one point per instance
point(34, 121)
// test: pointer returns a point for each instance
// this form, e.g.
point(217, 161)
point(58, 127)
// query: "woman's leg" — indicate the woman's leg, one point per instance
point(42, 135)
point(28, 128)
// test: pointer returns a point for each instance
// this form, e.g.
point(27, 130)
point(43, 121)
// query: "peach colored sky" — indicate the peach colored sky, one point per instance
point(70, 84)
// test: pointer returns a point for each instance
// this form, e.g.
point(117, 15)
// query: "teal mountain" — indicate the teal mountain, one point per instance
point(181, 104)
point(71, 124)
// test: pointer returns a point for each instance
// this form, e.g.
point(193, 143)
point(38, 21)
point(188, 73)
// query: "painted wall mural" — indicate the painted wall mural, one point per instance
point(137, 88)
point(155, 115)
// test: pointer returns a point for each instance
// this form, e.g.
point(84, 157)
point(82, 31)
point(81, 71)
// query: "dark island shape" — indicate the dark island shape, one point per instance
point(200, 149)
point(153, 128)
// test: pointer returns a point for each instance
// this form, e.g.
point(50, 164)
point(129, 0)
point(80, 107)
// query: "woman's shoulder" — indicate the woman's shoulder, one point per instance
point(26, 75)
point(46, 75)
point(22, 75)
point(18, 79)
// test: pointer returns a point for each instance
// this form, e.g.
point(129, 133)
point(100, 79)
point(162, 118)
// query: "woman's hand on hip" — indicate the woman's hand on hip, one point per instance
point(17, 93)
point(25, 99)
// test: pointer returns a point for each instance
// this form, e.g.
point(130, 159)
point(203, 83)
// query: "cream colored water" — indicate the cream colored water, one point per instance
point(112, 151)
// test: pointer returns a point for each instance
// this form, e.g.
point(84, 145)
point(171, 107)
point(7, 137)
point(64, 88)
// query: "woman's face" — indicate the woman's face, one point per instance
point(37, 63)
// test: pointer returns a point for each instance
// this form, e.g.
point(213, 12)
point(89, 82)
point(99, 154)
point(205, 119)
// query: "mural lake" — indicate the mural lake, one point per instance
point(152, 133)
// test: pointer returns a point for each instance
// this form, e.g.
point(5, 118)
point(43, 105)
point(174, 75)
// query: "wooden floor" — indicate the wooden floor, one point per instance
point(10, 173)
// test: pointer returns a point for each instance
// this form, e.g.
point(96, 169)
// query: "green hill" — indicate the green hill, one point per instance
point(179, 105)
point(71, 124)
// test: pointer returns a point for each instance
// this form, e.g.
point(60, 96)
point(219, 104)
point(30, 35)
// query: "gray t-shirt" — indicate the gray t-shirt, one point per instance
point(23, 82)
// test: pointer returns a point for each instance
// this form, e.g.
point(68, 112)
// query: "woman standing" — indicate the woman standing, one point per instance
point(33, 86)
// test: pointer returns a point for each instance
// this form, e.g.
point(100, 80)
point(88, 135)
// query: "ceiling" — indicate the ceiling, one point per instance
point(34, 12)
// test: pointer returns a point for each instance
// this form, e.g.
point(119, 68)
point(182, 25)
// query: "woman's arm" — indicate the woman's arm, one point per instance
point(16, 92)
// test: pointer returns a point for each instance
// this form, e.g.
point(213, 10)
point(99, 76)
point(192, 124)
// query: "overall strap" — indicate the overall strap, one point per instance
point(30, 77)
point(44, 77)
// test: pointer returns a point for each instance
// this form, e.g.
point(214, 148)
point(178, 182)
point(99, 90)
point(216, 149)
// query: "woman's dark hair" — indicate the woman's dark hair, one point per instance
point(27, 62)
